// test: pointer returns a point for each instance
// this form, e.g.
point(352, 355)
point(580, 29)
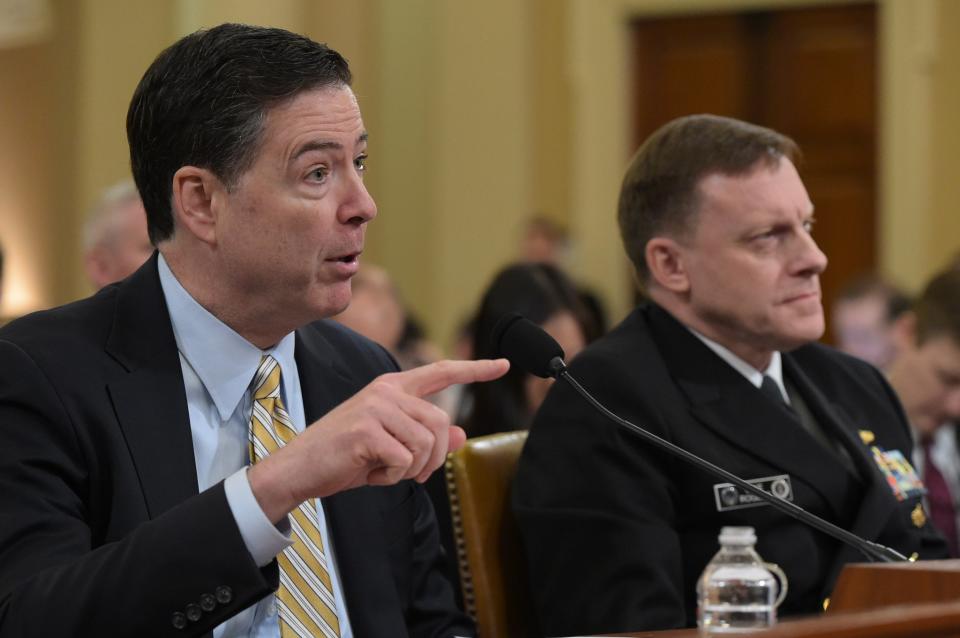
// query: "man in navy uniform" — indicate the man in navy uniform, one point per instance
point(721, 362)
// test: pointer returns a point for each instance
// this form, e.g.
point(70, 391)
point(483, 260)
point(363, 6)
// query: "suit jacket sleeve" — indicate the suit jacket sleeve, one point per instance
point(60, 574)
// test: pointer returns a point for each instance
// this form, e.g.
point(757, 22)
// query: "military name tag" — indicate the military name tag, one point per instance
point(730, 497)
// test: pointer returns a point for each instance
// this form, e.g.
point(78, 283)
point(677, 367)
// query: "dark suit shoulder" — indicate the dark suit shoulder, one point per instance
point(84, 319)
point(618, 352)
point(346, 348)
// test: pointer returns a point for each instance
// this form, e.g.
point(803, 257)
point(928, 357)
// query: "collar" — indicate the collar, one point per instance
point(774, 369)
point(224, 361)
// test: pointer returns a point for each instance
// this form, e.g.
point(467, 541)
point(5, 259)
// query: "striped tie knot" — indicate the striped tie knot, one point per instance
point(266, 382)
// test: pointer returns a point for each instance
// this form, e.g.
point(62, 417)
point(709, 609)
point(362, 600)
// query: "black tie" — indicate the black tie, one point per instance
point(770, 388)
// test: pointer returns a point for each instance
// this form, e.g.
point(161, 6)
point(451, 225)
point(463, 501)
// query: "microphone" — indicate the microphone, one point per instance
point(529, 348)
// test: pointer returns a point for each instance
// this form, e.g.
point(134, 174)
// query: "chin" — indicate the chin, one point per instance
point(331, 301)
point(798, 336)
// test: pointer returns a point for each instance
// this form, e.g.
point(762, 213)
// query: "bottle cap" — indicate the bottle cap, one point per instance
point(737, 536)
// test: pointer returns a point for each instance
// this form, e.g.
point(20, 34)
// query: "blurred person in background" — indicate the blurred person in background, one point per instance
point(545, 241)
point(375, 310)
point(543, 294)
point(926, 376)
point(863, 318)
point(115, 241)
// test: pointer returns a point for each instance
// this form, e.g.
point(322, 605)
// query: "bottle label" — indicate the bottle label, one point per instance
point(730, 497)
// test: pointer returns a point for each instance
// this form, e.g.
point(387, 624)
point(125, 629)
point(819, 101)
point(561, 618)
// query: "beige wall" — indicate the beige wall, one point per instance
point(479, 114)
point(920, 132)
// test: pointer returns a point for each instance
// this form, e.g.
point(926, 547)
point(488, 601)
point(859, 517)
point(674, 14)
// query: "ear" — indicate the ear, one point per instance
point(904, 331)
point(196, 192)
point(665, 262)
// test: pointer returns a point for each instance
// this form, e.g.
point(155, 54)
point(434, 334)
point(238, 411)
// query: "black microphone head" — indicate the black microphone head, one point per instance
point(527, 346)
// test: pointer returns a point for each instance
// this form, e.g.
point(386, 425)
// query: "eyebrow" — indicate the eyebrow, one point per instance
point(326, 146)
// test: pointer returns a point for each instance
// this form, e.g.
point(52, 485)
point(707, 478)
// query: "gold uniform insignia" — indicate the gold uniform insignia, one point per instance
point(867, 437)
point(918, 516)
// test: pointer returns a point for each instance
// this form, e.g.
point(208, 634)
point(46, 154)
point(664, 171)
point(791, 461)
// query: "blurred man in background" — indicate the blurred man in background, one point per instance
point(115, 241)
point(375, 310)
point(926, 375)
point(863, 319)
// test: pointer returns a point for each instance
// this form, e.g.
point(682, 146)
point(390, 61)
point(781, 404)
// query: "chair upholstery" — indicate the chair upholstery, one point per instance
point(489, 554)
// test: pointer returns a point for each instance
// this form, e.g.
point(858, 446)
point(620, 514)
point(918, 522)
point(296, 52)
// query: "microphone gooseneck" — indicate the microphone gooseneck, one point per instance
point(528, 347)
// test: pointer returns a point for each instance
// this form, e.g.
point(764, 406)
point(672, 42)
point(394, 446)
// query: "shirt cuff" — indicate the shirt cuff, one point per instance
point(263, 539)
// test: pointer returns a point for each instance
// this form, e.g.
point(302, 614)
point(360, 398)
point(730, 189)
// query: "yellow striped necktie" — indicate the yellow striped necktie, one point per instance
point(305, 597)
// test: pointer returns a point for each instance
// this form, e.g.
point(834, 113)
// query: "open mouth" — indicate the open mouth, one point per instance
point(346, 259)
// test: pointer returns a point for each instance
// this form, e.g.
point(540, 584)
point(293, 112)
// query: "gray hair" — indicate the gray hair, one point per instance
point(98, 229)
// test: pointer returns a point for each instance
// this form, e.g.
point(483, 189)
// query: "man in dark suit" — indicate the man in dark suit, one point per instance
point(721, 362)
point(130, 420)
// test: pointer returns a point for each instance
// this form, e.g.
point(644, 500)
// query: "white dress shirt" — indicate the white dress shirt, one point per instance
point(774, 369)
point(218, 367)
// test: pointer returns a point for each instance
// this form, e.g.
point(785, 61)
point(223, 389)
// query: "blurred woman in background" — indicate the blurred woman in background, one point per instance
point(545, 295)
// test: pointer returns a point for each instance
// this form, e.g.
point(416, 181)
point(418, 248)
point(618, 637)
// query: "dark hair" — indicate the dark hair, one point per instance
point(203, 102)
point(537, 291)
point(660, 191)
point(938, 307)
point(895, 301)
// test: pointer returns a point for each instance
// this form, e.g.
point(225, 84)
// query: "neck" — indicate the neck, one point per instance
point(729, 336)
point(198, 277)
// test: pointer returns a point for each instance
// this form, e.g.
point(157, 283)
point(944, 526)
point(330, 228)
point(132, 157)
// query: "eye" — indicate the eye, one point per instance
point(767, 235)
point(318, 174)
point(361, 163)
point(808, 225)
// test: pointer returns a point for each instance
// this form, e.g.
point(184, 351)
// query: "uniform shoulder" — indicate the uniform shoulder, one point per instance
point(623, 347)
point(840, 375)
point(828, 360)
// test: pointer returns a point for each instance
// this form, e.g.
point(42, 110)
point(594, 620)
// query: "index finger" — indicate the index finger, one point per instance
point(434, 377)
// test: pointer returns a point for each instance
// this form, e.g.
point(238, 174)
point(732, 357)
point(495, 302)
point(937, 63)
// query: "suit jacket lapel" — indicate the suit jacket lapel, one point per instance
point(725, 402)
point(148, 396)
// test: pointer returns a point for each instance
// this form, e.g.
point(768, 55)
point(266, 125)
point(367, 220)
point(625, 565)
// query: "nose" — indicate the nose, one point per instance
point(357, 206)
point(810, 260)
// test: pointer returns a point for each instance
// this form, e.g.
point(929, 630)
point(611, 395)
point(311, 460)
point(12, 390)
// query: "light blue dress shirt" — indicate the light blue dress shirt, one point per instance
point(218, 367)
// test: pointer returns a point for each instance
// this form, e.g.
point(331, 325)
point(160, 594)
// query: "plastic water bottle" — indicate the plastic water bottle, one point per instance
point(737, 593)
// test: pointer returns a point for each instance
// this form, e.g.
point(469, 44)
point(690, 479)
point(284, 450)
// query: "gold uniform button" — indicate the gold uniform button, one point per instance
point(918, 516)
point(867, 437)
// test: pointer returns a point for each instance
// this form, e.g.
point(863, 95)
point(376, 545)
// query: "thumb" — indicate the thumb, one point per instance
point(456, 439)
